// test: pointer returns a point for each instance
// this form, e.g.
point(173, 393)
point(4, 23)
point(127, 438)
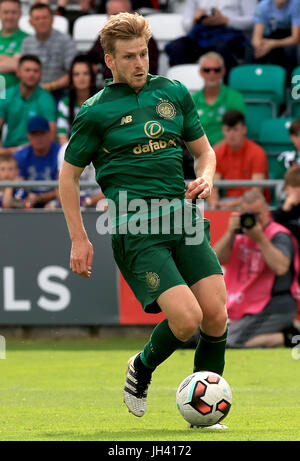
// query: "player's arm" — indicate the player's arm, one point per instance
point(82, 250)
point(205, 167)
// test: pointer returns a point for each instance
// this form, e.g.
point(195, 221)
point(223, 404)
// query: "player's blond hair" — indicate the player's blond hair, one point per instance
point(123, 26)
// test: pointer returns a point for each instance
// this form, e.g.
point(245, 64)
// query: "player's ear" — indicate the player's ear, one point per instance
point(109, 61)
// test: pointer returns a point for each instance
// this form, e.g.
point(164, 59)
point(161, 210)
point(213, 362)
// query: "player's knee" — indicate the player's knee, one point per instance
point(215, 321)
point(188, 325)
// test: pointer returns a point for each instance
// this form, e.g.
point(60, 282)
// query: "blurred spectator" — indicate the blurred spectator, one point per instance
point(38, 161)
point(289, 213)
point(11, 38)
point(82, 86)
point(22, 102)
point(261, 274)
point(288, 158)
point(9, 171)
point(138, 4)
point(96, 53)
point(55, 50)
point(219, 25)
point(89, 198)
point(215, 98)
point(11, 197)
point(277, 33)
point(237, 158)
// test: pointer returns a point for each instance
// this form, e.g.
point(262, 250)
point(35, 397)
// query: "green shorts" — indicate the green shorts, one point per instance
point(151, 264)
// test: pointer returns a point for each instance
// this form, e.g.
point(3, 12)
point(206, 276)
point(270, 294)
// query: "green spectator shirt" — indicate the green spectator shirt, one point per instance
point(134, 139)
point(285, 161)
point(63, 111)
point(17, 111)
point(211, 115)
point(10, 46)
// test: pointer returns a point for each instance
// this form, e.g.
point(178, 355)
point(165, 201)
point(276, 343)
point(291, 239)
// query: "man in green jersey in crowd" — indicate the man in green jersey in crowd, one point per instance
point(11, 38)
point(132, 132)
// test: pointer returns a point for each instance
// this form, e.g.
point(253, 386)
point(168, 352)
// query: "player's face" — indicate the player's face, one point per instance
point(10, 13)
point(41, 21)
point(29, 73)
point(8, 171)
point(130, 62)
point(212, 72)
point(81, 76)
point(235, 135)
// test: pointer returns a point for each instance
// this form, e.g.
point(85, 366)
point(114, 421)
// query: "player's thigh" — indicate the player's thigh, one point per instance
point(148, 267)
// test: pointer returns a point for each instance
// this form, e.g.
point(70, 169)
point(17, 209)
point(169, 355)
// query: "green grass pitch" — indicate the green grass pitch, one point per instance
point(72, 390)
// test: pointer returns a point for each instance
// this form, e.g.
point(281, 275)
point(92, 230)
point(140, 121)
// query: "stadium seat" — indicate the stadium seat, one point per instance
point(187, 74)
point(86, 29)
point(165, 27)
point(294, 96)
point(263, 90)
point(60, 23)
point(274, 138)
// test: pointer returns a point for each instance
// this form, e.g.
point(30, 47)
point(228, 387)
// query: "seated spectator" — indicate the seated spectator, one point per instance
point(213, 26)
point(11, 197)
point(215, 98)
point(289, 213)
point(261, 276)
point(276, 33)
point(82, 86)
point(11, 38)
point(22, 102)
point(289, 158)
point(237, 158)
point(89, 198)
point(96, 53)
point(55, 49)
point(38, 161)
point(137, 4)
point(9, 171)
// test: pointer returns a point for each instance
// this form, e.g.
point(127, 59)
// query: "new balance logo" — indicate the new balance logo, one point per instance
point(126, 119)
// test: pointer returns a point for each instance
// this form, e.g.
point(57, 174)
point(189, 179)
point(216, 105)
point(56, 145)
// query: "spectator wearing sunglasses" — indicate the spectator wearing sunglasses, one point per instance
point(215, 98)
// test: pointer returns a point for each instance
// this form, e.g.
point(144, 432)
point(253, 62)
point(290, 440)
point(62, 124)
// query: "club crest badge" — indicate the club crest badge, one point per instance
point(152, 280)
point(166, 110)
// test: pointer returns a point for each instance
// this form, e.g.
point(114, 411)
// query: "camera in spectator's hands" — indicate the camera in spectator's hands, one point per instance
point(248, 220)
point(211, 13)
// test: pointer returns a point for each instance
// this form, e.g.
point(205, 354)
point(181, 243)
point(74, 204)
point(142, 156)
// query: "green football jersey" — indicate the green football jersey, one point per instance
point(10, 46)
point(135, 139)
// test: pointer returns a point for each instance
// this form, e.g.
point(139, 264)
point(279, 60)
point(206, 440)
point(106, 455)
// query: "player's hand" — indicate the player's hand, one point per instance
point(199, 188)
point(81, 259)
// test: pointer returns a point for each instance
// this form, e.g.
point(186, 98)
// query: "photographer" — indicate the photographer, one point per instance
point(262, 259)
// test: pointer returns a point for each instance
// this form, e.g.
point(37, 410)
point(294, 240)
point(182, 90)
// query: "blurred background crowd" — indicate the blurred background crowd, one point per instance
point(239, 60)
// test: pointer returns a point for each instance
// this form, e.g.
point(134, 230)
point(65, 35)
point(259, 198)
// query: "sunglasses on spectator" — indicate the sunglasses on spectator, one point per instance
point(216, 70)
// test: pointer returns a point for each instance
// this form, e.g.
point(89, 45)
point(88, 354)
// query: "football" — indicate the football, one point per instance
point(204, 398)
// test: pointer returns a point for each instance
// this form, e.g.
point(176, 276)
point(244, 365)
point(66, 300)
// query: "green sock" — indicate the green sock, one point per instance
point(160, 346)
point(210, 353)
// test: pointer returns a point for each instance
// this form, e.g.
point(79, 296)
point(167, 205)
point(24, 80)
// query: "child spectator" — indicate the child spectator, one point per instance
point(289, 158)
point(10, 197)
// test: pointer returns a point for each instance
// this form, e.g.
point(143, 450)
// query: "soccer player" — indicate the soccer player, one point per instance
point(132, 132)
